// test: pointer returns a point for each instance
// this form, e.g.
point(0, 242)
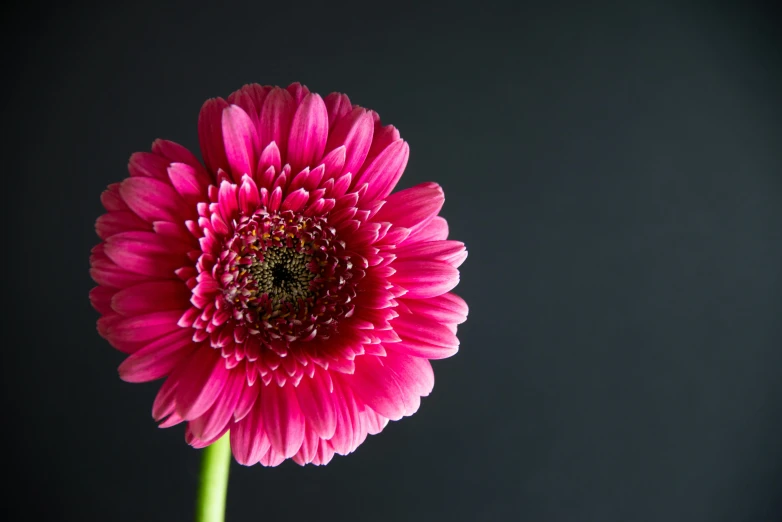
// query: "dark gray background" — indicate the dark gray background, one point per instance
point(615, 172)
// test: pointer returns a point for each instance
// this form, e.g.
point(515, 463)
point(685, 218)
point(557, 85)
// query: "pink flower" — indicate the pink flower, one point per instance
point(283, 292)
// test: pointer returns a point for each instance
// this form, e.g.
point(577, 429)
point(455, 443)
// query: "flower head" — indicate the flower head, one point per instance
point(281, 289)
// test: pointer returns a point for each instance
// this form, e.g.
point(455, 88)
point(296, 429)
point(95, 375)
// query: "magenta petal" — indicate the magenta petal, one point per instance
point(272, 458)
point(412, 207)
point(354, 131)
point(423, 278)
point(249, 199)
point(248, 398)
point(295, 200)
point(210, 134)
point(423, 337)
point(447, 251)
point(317, 405)
point(146, 253)
point(270, 157)
point(337, 105)
point(201, 442)
point(187, 181)
point(436, 229)
point(154, 200)
point(100, 298)
point(111, 199)
point(158, 358)
point(308, 133)
point(276, 116)
point(250, 98)
point(334, 162)
point(130, 331)
point(151, 297)
point(283, 419)
point(216, 419)
point(117, 222)
point(205, 377)
point(147, 165)
point(106, 272)
point(298, 91)
point(384, 172)
point(384, 136)
point(413, 373)
point(347, 422)
point(240, 139)
point(376, 387)
point(249, 441)
point(447, 308)
point(228, 202)
point(309, 448)
point(176, 153)
point(165, 400)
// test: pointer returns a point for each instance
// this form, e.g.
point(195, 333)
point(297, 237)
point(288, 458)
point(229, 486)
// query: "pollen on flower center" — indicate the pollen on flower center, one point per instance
point(286, 276)
point(283, 274)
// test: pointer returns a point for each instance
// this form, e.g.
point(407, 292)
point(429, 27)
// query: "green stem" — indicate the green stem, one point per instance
point(210, 506)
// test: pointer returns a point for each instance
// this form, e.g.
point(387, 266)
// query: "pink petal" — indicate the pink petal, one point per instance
point(317, 405)
point(276, 116)
point(240, 139)
point(111, 199)
point(250, 98)
point(199, 442)
point(298, 91)
point(383, 137)
point(165, 400)
point(337, 105)
point(105, 272)
point(216, 419)
point(354, 131)
point(436, 229)
point(158, 358)
point(147, 165)
point(423, 279)
point(412, 207)
point(376, 387)
point(117, 222)
point(100, 298)
point(176, 153)
point(447, 308)
point(210, 134)
point(423, 337)
point(249, 441)
point(283, 419)
point(154, 200)
point(272, 458)
point(375, 422)
point(270, 157)
point(342, 439)
point(151, 297)
point(249, 199)
point(435, 250)
point(204, 377)
point(308, 449)
point(308, 133)
point(228, 202)
point(296, 200)
point(188, 183)
point(127, 333)
point(384, 172)
point(248, 398)
point(147, 253)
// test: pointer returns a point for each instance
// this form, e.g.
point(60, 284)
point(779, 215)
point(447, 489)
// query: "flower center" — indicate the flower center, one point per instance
point(287, 277)
point(283, 275)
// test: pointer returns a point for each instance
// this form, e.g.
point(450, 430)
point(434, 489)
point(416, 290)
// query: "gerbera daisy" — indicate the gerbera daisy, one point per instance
point(281, 289)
